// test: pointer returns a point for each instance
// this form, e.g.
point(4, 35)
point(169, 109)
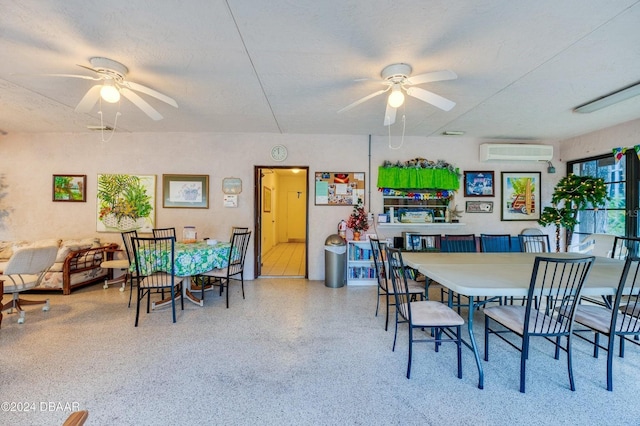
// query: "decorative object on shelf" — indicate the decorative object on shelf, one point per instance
point(279, 153)
point(478, 184)
point(419, 173)
point(185, 191)
point(70, 188)
point(418, 195)
point(358, 221)
point(339, 189)
point(571, 194)
point(520, 196)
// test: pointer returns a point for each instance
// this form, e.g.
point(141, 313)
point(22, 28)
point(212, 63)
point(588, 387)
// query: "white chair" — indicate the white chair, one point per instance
point(595, 244)
point(23, 272)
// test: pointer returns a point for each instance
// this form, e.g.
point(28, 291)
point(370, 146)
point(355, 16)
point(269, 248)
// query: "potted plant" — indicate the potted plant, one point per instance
point(572, 194)
point(358, 221)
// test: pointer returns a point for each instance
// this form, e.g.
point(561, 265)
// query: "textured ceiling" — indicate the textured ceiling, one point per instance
point(288, 66)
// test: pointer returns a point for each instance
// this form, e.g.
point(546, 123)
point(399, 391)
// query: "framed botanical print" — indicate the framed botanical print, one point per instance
point(520, 198)
point(185, 191)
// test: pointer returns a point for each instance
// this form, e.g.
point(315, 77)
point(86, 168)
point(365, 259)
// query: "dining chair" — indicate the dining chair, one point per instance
point(534, 243)
point(154, 259)
point(235, 265)
point(495, 243)
point(384, 289)
point(443, 321)
point(127, 240)
point(236, 230)
point(465, 243)
point(621, 319)
point(624, 247)
point(24, 271)
point(164, 232)
point(555, 287)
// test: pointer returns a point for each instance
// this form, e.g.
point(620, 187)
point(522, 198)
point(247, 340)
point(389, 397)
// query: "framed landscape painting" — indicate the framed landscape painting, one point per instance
point(520, 196)
point(70, 188)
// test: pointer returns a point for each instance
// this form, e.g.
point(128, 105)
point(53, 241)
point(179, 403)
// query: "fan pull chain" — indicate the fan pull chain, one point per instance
point(115, 123)
point(404, 126)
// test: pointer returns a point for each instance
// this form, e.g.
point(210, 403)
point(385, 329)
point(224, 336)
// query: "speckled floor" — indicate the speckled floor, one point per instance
point(293, 353)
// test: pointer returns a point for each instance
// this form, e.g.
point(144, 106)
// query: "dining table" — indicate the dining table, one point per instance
point(190, 259)
point(485, 277)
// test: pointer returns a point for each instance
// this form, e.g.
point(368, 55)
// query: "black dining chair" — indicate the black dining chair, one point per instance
point(235, 265)
point(422, 315)
point(554, 291)
point(534, 243)
point(621, 319)
point(154, 259)
point(164, 232)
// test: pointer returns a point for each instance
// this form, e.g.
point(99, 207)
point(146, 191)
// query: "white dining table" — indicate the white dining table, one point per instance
point(480, 275)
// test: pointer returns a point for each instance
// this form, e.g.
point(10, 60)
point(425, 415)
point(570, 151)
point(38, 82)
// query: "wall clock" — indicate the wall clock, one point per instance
point(279, 152)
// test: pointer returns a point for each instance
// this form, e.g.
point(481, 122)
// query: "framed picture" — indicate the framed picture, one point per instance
point(479, 207)
point(185, 191)
point(520, 198)
point(478, 184)
point(231, 185)
point(70, 188)
point(126, 203)
point(339, 189)
point(266, 199)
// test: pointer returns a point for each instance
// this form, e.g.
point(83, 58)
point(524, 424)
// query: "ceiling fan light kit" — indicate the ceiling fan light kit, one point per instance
point(398, 79)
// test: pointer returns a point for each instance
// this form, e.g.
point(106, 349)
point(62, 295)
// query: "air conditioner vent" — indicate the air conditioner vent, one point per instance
point(515, 152)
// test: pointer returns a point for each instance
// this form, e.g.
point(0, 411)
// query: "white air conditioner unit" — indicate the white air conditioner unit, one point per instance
point(515, 152)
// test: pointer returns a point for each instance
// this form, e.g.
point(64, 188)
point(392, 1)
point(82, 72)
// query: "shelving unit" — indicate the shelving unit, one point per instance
point(360, 267)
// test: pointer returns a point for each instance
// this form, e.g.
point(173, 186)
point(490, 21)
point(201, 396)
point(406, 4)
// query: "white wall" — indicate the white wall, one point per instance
point(27, 163)
point(601, 142)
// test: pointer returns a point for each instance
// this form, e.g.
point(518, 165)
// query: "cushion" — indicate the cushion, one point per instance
point(6, 248)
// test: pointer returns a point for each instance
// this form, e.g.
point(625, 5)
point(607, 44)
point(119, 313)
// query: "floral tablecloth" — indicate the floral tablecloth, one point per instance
point(190, 259)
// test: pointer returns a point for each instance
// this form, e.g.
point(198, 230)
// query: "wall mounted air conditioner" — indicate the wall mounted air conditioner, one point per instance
point(515, 152)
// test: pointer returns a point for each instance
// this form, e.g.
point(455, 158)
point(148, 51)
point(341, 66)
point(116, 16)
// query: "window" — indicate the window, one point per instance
point(614, 217)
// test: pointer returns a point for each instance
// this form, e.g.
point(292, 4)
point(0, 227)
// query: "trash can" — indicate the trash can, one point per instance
point(335, 261)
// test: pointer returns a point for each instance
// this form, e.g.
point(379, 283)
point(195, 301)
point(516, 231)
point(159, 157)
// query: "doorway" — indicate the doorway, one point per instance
point(281, 221)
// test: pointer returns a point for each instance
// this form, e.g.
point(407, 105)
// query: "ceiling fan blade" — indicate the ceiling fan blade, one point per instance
point(432, 76)
point(366, 98)
point(144, 89)
point(431, 98)
point(85, 77)
point(390, 115)
point(141, 103)
point(89, 99)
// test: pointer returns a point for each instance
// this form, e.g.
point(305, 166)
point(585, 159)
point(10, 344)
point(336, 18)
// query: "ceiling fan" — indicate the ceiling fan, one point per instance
point(111, 75)
point(397, 78)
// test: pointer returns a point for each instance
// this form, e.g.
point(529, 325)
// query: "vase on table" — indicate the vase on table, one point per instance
point(356, 236)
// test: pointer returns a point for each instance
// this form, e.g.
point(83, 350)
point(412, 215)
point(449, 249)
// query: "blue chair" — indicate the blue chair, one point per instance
point(459, 243)
point(495, 243)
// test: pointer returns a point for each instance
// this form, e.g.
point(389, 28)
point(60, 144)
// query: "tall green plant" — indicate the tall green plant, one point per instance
point(572, 194)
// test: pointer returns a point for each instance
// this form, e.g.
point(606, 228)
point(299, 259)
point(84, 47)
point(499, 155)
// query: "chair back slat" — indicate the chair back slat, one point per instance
point(398, 277)
point(164, 232)
point(495, 243)
point(378, 256)
point(556, 285)
point(534, 243)
point(459, 243)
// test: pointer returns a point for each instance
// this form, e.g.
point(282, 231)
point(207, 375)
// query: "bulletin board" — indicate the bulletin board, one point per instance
point(339, 188)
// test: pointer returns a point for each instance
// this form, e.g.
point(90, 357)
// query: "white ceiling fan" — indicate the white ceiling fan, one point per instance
point(113, 83)
point(397, 78)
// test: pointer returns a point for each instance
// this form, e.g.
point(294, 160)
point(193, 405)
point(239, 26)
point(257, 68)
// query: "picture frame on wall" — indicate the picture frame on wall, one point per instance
point(126, 203)
point(520, 196)
point(479, 207)
point(266, 199)
point(70, 188)
point(479, 184)
point(185, 191)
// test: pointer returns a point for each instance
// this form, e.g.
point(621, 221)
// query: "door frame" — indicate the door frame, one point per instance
point(257, 217)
